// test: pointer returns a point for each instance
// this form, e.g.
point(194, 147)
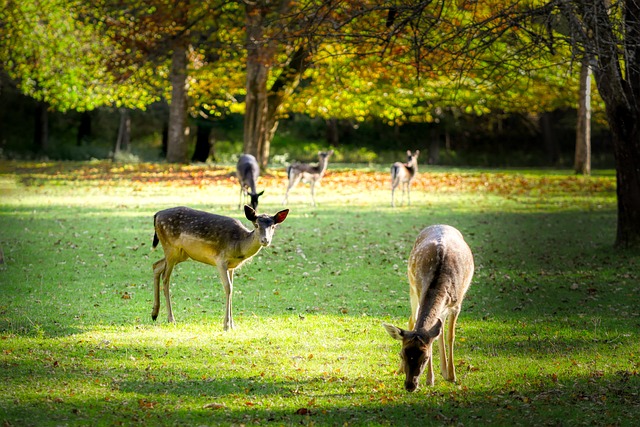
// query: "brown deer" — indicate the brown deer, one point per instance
point(440, 270)
point(211, 239)
point(402, 174)
point(308, 174)
point(248, 171)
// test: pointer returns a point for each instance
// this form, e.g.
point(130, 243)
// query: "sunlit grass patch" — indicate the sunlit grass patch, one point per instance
point(547, 333)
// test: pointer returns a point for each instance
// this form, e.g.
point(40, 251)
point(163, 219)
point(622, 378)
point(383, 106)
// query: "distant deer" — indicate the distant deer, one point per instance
point(440, 269)
point(402, 174)
point(308, 174)
point(211, 239)
point(248, 171)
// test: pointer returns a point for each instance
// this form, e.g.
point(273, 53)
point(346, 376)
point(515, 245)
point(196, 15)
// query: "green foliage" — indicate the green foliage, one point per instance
point(547, 334)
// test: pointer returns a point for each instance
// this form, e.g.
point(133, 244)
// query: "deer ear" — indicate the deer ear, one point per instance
point(249, 213)
point(394, 331)
point(417, 153)
point(280, 216)
point(260, 193)
point(408, 152)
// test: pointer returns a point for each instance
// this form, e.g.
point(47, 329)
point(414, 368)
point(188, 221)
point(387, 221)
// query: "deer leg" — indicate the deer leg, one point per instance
point(313, 193)
point(409, 193)
point(167, 296)
point(158, 269)
point(443, 355)
point(292, 183)
point(394, 184)
point(226, 276)
point(451, 337)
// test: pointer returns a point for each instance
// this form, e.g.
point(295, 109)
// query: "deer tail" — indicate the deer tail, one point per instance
point(155, 235)
point(394, 172)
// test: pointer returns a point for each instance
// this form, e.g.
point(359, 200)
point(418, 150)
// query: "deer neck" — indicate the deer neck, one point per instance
point(322, 166)
point(432, 304)
point(250, 245)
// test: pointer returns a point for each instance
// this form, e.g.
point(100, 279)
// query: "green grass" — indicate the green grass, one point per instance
point(548, 334)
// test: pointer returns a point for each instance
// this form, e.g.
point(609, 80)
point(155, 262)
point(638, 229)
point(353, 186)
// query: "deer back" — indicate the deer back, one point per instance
point(440, 269)
point(201, 235)
point(248, 171)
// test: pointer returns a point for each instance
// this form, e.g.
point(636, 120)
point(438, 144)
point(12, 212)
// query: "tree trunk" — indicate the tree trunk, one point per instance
point(551, 147)
point(165, 139)
point(434, 147)
point(84, 129)
point(582, 162)
point(617, 75)
point(124, 133)
point(177, 142)
point(41, 130)
point(333, 136)
point(203, 143)
point(626, 146)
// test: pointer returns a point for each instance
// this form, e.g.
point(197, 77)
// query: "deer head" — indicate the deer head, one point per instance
point(265, 224)
point(416, 351)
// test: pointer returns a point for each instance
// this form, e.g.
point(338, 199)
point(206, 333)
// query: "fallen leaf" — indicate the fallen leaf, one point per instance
point(214, 406)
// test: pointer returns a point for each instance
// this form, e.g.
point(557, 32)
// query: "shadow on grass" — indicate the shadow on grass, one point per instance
point(595, 400)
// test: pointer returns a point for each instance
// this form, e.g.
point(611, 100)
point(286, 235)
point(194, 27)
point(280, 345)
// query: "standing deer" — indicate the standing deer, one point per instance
point(308, 174)
point(440, 270)
point(402, 174)
point(248, 171)
point(211, 239)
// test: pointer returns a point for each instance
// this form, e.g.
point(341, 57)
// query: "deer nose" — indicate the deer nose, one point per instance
point(264, 241)
point(410, 386)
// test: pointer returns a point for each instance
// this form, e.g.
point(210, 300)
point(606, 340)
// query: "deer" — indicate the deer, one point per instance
point(402, 174)
point(440, 270)
point(248, 171)
point(308, 174)
point(211, 239)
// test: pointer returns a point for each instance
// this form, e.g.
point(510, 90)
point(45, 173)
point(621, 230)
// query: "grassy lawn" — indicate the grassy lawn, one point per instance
point(548, 333)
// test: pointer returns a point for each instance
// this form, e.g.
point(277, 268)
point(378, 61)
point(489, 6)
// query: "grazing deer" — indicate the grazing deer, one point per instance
point(402, 174)
point(248, 171)
point(440, 270)
point(308, 174)
point(211, 239)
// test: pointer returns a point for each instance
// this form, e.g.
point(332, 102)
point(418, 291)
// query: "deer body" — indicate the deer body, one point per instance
point(402, 174)
point(211, 239)
point(248, 171)
point(440, 269)
point(308, 174)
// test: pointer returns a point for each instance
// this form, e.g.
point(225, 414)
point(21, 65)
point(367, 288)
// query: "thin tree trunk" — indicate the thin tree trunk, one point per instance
point(177, 142)
point(582, 162)
point(41, 128)
point(124, 133)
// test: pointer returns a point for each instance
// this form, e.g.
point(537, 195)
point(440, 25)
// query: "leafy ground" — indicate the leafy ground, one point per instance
point(548, 334)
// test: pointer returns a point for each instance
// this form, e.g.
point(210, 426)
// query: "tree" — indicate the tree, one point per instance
point(278, 46)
